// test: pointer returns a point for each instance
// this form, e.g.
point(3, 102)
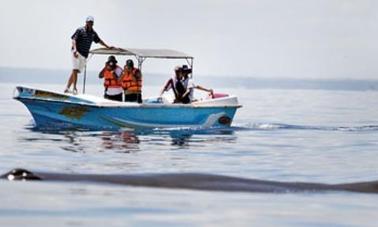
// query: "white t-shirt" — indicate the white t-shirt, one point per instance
point(189, 85)
point(115, 90)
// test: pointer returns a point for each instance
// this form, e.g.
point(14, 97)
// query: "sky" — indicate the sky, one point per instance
point(307, 39)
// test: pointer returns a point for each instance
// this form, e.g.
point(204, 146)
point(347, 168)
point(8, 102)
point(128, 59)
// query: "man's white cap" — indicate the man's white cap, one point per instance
point(89, 18)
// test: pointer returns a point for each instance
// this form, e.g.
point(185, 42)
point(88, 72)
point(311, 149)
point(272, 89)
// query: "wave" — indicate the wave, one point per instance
point(280, 126)
point(186, 131)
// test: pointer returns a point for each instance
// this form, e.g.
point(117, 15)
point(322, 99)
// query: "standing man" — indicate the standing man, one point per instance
point(81, 43)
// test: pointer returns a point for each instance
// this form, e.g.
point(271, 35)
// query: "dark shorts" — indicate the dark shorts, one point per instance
point(133, 98)
point(114, 97)
point(183, 100)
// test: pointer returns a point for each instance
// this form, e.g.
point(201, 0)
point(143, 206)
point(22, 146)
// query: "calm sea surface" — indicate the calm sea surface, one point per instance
point(287, 135)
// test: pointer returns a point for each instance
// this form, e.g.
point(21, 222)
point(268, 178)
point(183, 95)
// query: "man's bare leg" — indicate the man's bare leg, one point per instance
point(72, 80)
point(75, 81)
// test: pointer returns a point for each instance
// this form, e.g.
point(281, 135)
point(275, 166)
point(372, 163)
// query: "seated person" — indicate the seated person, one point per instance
point(132, 82)
point(175, 84)
point(111, 74)
point(189, 85)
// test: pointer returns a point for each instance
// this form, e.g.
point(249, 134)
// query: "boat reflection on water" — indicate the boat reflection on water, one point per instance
point(186, 137)
point(126, 141)
point(83, 141)
point(181, 140)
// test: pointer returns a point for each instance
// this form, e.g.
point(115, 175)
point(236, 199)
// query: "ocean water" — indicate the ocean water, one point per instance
point(314, 135)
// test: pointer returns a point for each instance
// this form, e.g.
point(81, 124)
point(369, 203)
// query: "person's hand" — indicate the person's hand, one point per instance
point(211, 92)
point(111, 47)
point(76, 55)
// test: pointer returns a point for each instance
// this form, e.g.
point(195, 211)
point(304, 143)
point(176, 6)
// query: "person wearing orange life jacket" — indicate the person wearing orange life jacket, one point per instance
point(132, 82)
point(111, 74)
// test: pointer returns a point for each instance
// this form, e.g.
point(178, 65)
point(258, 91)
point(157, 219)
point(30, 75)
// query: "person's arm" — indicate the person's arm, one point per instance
point(114, 73)
point(188, 90)
point(74, 49)
point(204, 89)
point(189, 87)
point(101, 74)
point(98, 40)
point(74, 37)
point(165, 88)
point(105, 45)
point(121, 77)
point(138, 75)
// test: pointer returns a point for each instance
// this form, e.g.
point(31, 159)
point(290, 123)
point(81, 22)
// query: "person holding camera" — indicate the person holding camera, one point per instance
point(111, 74)
point(131, 80)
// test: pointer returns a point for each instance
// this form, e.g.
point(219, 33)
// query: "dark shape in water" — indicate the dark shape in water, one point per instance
point(194, 181)
point(20, 174)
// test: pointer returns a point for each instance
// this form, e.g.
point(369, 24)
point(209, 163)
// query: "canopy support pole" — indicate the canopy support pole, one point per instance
point(191, 62)
point(140, 62)
point(85, 72)
point(85, 77)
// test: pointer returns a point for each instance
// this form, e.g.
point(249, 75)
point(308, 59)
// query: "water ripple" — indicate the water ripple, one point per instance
point(279, 126)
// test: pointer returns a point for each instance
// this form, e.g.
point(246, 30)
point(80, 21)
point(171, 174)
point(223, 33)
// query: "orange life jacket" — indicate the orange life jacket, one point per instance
point(110, 80)
point(130, 82)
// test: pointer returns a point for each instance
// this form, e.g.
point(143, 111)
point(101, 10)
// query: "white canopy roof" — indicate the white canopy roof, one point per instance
point(143, 53)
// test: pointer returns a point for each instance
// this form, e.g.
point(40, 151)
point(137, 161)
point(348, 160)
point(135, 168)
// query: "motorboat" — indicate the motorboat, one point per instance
point(51, 109)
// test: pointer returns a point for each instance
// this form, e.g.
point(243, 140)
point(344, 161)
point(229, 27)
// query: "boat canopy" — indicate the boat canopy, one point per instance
point(143, 53)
